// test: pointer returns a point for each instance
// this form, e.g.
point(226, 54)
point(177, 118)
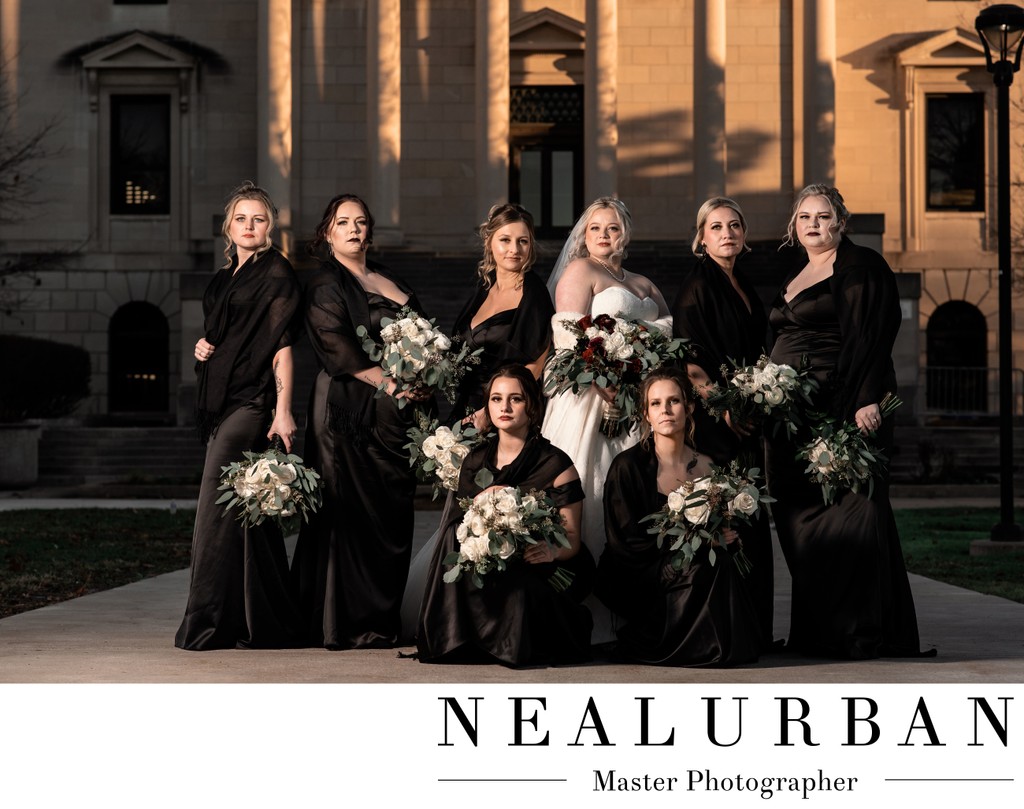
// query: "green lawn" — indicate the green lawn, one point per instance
point(50, 556)
point(936, 543)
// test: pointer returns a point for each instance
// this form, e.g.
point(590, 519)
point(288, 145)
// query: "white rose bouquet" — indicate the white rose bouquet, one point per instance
point(419, 356)
point(498, 525)
point(842, 458)
point(269, 484)
point(698, 511)
point(766, 392)
point(437, 451)
point(610, 353)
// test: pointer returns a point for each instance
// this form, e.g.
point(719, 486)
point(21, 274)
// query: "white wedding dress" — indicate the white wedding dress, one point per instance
point(573, 424)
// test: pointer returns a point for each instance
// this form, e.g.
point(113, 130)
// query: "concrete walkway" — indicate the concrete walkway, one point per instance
point(126, 635)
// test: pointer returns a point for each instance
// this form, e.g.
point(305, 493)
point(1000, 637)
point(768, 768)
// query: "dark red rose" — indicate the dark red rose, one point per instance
point(585, 322)
point(605, 323)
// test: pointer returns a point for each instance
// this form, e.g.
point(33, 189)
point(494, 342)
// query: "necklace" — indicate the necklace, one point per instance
point(610, 271)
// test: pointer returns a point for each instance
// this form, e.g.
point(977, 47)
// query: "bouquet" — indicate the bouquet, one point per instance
point(418, 356)
point(765, 392)
point(269, 484)
point(842, 458)
point(498, 525)
point(699, 510)
point(437, 451)
point(610, 353)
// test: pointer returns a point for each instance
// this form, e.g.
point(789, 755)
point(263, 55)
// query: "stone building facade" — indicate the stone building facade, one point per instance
point(435, 109)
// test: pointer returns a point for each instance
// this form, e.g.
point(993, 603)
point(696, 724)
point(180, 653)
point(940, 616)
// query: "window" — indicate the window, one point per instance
point(546, 155)
point(956, 151)
point(140, 154)
point(139, 347)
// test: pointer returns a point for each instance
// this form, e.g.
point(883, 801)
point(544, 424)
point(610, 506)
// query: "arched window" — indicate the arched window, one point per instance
point(139, 350)
point(957, 357)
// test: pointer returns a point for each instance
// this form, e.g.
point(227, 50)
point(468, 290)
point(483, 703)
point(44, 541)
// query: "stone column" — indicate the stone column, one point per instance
point(709, 141)
point(493, 103)
point(600, 107)
point(819, 91)
point(274, 111)
point(384, 117)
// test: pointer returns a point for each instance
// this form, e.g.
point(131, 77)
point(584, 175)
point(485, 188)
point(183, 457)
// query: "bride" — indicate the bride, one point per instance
point(589, 278)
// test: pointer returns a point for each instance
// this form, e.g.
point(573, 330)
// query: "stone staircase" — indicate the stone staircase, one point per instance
point(71, 456)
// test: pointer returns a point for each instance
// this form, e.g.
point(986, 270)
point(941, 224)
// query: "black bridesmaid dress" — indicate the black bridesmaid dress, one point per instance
point(352, 558)
point(851, 594)
point(519, 335)
point(517, 618)
point(721, 329)
point(704, 616)
point(239, 593)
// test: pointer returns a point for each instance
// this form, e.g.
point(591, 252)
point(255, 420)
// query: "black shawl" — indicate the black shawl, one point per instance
point(250, 314)
point(712, 316)
point(336, 305)
point(867, 304)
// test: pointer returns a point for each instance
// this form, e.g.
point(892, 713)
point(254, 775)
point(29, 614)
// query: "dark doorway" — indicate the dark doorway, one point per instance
point(546, 156)
point(957, 359)
point(139, 353)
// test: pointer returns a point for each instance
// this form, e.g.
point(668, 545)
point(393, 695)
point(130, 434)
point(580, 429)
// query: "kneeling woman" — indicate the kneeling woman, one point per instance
point(703, 616)
point(517, 618)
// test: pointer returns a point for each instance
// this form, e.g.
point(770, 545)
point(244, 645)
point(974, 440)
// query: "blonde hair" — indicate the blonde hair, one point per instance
point(579, 246)
point(834, 200)
point(667, 373)
point(705, 211)
point(247, 190)
point(499, 216)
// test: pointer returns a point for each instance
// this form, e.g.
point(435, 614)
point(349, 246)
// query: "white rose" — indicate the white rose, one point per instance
point(508, 547)
point(442, 343)
point(243, 489)
point(614, 344)
point(506, 502)
point(286, 473)
point(430, 447)
point(391, 333)
point(474, 549)
point(445, 438)
point(408, 329)
point(593, 332)
point(774, 396)
point(462, 532)
point(529, 503)
point(743, 503)
point(771, 369)
point(478, 526)
point(258, 472)
point(459, 451)
point(820, 456)
point(676, 501)
point(763, 380)
point(698, 515)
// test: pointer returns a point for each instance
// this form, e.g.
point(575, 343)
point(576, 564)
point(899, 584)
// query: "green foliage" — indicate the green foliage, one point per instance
point(42, 379)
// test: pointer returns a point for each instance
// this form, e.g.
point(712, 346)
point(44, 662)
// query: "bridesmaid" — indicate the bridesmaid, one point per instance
point(509, 314)
point(517, 618)
point(851, 595)
point(352, 558)
point(701, 617)
point(719, 311)
point(238, 592)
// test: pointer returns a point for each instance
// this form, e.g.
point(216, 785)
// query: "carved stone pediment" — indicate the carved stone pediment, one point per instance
point(137, 52)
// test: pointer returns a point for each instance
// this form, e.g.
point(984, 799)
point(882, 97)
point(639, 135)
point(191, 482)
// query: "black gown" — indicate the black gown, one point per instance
point(851, 595)
point(352, 558)
point(713, 317)
point(239, 594)
point(518, 335)
point(517, 618)
point(704, 616)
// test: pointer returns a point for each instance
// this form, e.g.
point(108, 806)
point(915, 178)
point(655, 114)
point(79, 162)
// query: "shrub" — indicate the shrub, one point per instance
point(42, 379)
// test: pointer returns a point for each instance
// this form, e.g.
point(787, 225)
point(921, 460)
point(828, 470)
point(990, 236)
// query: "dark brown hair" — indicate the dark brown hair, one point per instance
point(531, 392)
point(327, 222)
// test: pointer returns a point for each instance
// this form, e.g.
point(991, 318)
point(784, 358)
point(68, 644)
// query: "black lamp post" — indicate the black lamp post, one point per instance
point(1001, 28)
